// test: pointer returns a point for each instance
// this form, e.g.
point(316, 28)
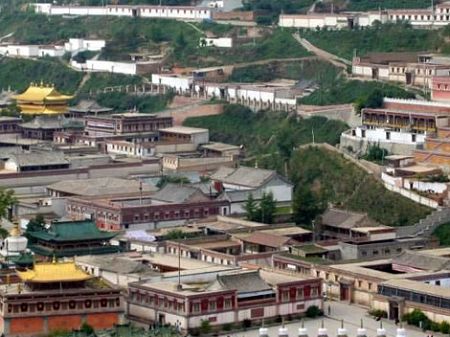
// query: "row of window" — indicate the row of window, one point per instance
point(64, 305)
point(415, 297)
point(173, 305)
point(174, 214)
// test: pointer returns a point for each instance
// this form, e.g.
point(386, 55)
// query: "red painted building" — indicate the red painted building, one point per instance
point(229, 299)
point(440, 88)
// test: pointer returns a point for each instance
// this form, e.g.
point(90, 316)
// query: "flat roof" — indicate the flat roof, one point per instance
point(398, 157)
point(419, 286)
point(418, 169)
point(372, 229)
point(184, 130)
point(220, 146)
point(286, 231)
point(218, 244)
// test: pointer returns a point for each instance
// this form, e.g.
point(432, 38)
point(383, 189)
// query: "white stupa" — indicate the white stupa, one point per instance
point(15, 244)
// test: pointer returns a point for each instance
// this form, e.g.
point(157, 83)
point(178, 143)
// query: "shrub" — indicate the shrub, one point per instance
point(246, 323)
point(228, 327)
point(445, 327)
point(313, 311)
point(87, 329)
point(278, 319)
point(205, 326)
point(378, 313)
point(415, 317)
point(435, 326)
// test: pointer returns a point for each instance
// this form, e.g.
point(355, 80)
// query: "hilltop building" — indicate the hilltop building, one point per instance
point(57, 296)
point(42, 99)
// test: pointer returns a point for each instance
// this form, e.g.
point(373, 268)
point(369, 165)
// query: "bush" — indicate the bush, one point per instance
point(278, 319)
point(87, 329)
point(435, 326)
point(205, 326)
point(415, 317)
point(246, 323)
point(445, 327)
point(378, 313)
point(228, 327)
point(313, 311)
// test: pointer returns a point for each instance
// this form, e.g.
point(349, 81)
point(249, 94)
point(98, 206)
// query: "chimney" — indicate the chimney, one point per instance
point(342, 332)
point(302, 331)
point(322, 332)
point(381, 332)
point(361, 332)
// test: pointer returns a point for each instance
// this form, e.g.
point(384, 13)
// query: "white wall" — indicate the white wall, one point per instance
point(106, 66)
point(178, 83)
point(221, 42)
point(379, 134)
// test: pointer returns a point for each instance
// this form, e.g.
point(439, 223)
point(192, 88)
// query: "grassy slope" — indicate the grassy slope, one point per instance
point(364, 5)
point(334, 179)
point(385, 38)
point(443, 234)
point(266, 132)
point(343, 91)
point(18, 74)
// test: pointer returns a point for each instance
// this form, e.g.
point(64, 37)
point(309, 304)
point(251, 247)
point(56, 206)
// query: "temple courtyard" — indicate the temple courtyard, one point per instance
point(351, 315)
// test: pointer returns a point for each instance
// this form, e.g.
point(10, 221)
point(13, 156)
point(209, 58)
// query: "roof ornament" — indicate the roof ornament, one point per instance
point(342, 332)
point(302, 331)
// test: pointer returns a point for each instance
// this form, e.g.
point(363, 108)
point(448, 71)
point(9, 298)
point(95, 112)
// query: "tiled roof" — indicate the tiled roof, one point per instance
point(243, 282)
point(244, 176)
point(269, 240)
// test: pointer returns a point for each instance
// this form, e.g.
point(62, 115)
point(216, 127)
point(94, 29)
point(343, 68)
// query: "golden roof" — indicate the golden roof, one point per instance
point(42, 93)
point(15, 231)
point(54, 272)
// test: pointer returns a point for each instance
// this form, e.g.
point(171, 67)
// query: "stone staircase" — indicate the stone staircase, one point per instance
point(425, 227)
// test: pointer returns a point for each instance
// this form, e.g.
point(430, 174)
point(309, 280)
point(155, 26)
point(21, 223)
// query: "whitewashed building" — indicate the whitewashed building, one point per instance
point(163, 12)
point(79, 45)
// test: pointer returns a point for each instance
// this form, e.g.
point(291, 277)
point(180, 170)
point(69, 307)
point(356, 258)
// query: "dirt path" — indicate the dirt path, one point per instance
point(333, 59)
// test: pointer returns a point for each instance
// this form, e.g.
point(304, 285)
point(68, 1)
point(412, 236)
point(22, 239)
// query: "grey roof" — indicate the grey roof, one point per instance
point(101, 186)
point(7, 151)
point(44, 158)
point(243, 282)
point(114, 263)
point(244, 176)
point(176, 193)
point(206, 188)
point(422, 261)
point(6, 97)
point(44, 122)
point(89, 106)
point(345, 219)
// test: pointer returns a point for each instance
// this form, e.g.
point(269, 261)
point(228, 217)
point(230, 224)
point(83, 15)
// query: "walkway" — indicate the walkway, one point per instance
point(350, 314)
point(333, 59)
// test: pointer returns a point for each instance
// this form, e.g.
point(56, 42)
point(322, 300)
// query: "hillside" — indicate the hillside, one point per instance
point(379, 38)
point(320, 176)
point(267, 132)
point(333, 179)
point(18, 73)
point(342, 91)
point(178, 39)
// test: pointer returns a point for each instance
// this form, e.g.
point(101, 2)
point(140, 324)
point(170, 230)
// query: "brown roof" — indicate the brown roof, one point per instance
point(386, 58)
point(270, 240)
point(345, 219)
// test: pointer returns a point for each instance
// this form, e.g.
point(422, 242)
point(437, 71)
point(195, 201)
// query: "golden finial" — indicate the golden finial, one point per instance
point(15, 231)
point(42, 83)
point(54, 259)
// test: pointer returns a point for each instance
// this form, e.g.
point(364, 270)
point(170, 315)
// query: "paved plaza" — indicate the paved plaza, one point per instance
point(351, 315)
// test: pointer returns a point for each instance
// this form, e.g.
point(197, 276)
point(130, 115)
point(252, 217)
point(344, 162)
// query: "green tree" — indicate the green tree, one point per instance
point(306, 206)
point(205, 326)
point(175, 234)
point(251, 208)
point(7, 200)
point(267, 208)
point(36, 224)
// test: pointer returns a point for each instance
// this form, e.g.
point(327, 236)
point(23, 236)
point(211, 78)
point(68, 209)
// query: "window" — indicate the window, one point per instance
point(196, 307)
point(314, 291)
point(359, 283)
point(212, 306)
point(300, 293)
point(370, 286)
point(375, 252)
point(227, 303)
point(388, 135)
point(285, 296)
